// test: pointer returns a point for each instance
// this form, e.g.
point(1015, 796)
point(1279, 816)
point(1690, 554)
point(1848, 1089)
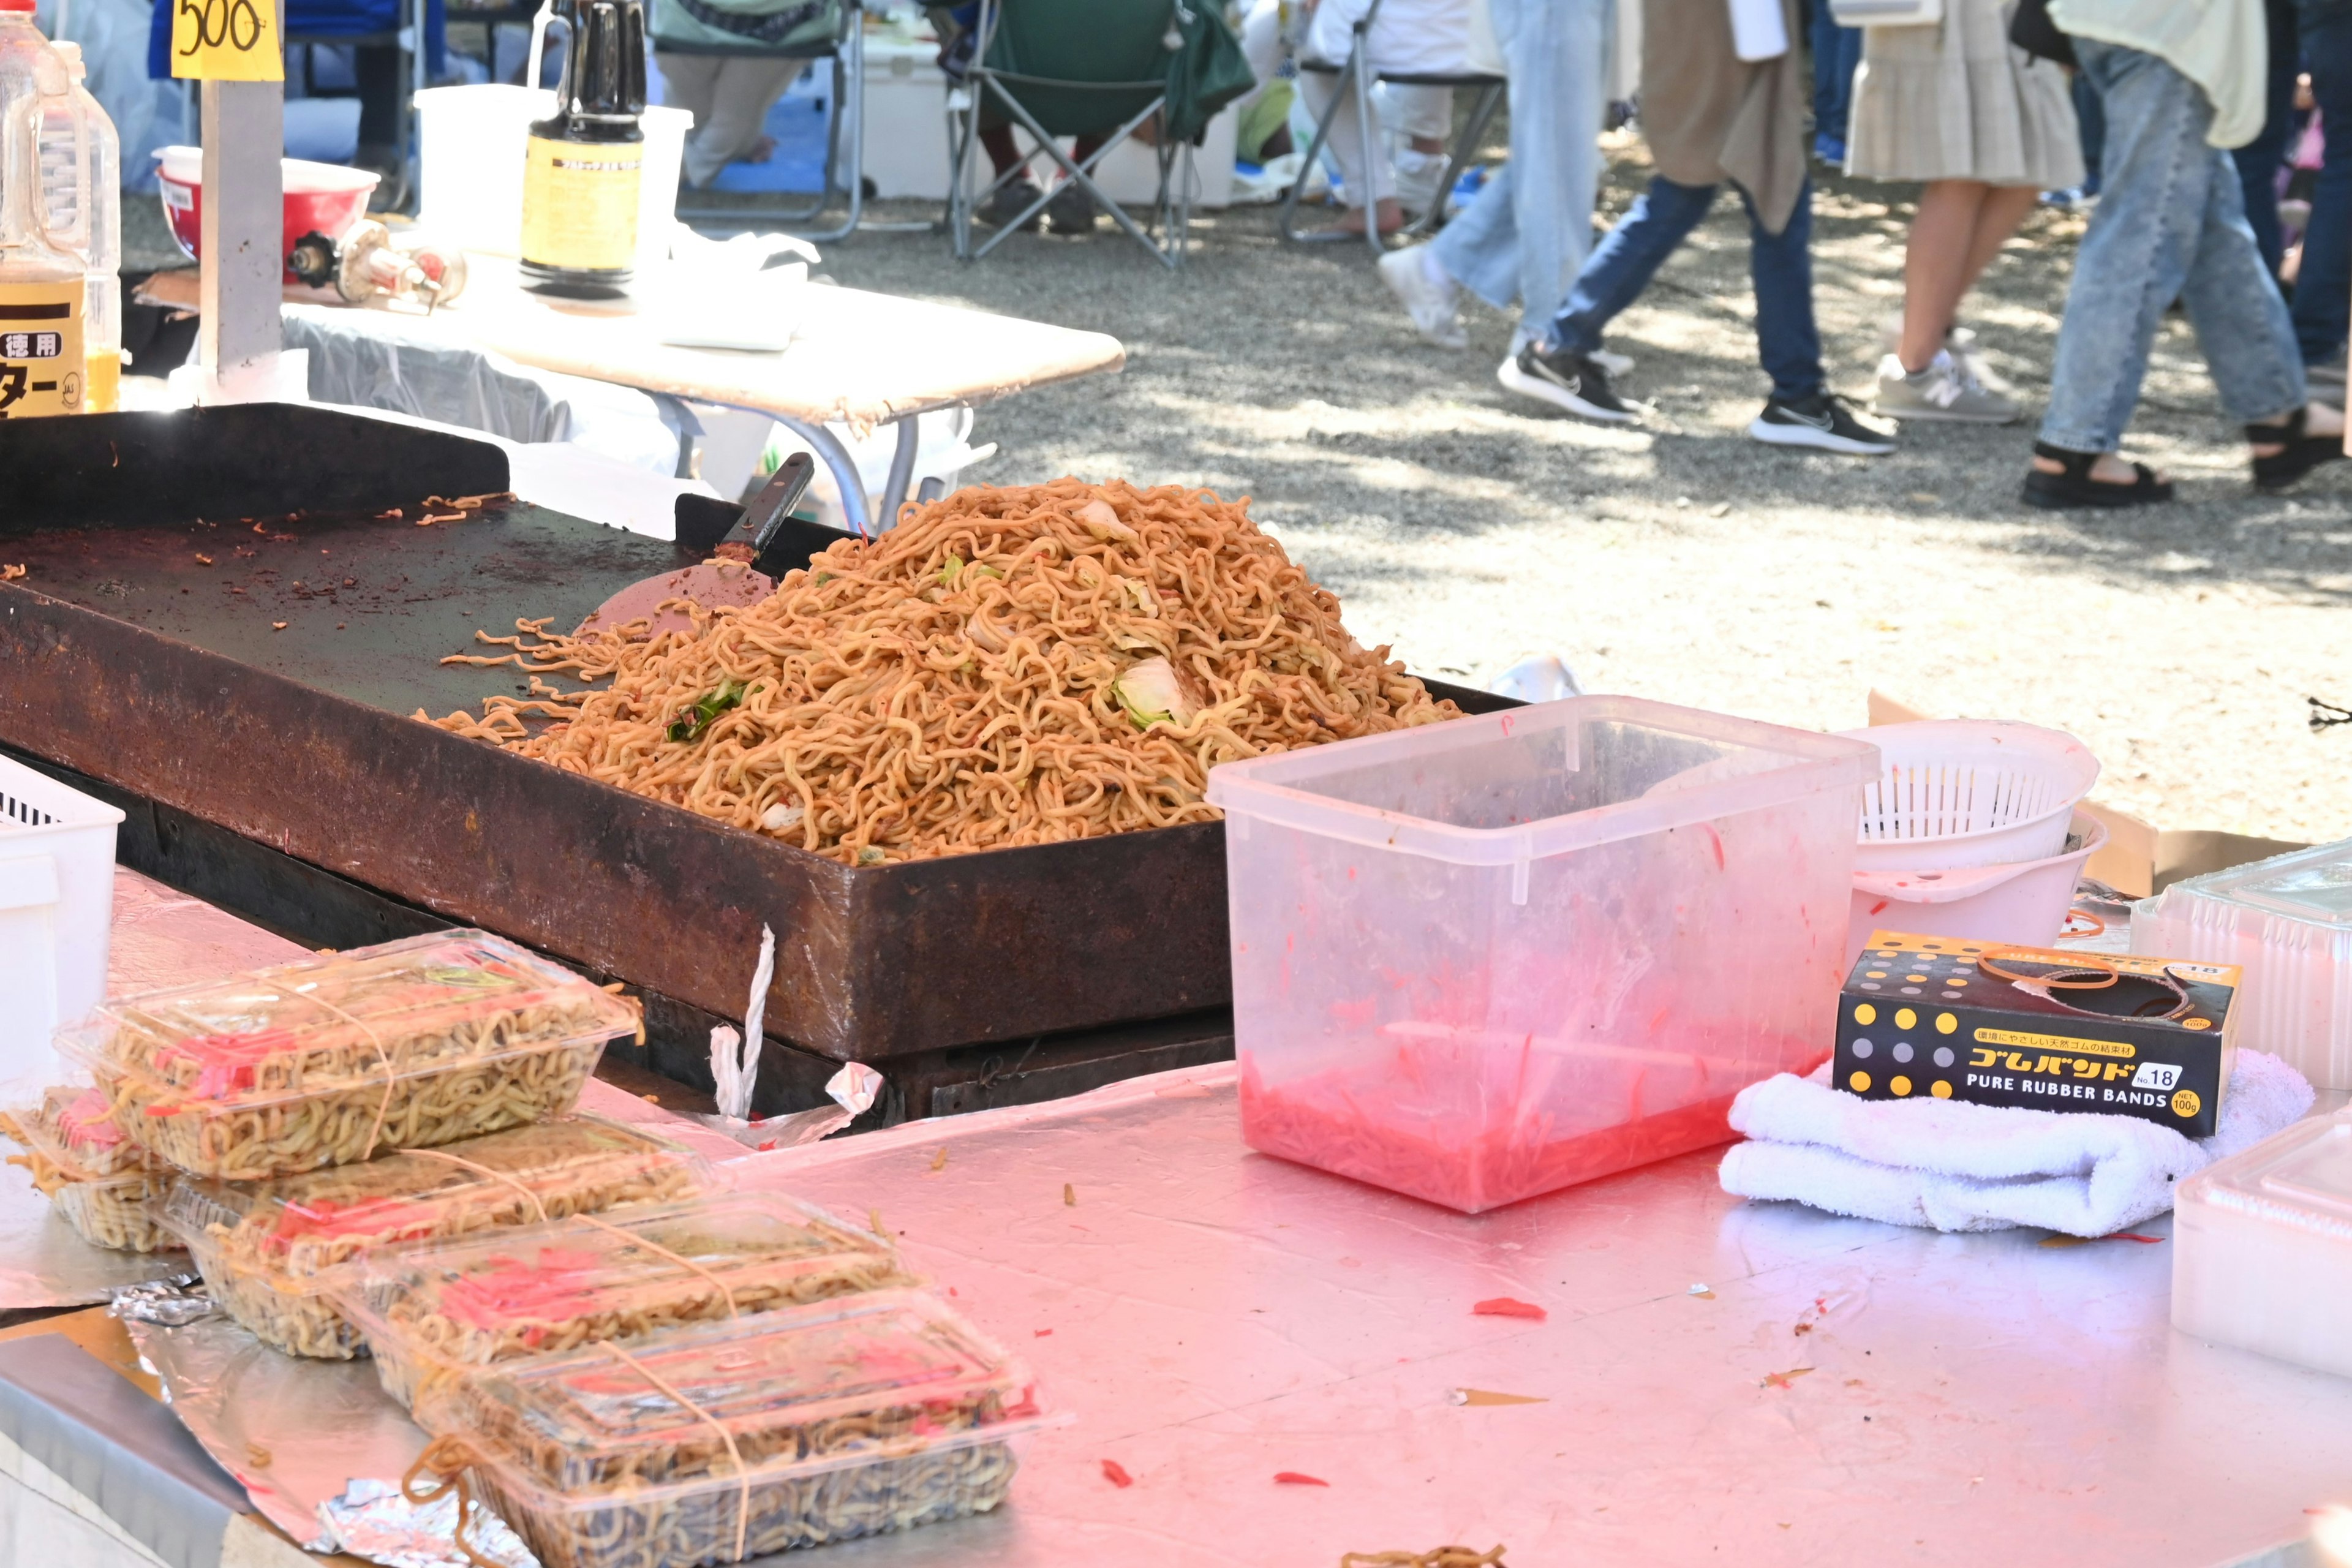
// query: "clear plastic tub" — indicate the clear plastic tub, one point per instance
point(2262, 1254)
point(1480, 960)
point(330, 1061)
point(442, 1311)
point(849, 1417)
point(117, 1207)
point(2287, 923)
point(272, 1253)
point(78, 1119)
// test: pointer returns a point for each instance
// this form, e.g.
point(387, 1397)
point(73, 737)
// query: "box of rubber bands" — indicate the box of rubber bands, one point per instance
point(2040, 1027)
point(272, 1253)
point(108, 1188)
point(724, 1441)
point(336, 1059)
point(443, 1310)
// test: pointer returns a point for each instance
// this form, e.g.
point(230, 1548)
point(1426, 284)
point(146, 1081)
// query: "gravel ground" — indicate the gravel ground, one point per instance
point(1679, 560)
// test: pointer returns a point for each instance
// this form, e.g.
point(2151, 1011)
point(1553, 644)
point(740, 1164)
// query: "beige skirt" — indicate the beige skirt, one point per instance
point(1960, 101)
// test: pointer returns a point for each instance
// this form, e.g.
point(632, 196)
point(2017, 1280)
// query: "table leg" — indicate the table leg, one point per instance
point(902, 468)
point(837, 457)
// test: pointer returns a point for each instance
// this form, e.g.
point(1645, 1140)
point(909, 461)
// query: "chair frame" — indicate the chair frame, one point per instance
point(844, 133)
point(1172, 217)
point(1355, 69)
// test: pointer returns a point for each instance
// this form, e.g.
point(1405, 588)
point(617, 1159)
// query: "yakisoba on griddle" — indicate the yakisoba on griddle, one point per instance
point(107, 1187)
point(272, 1252)
point(448, 1309)
point(726, 1441)
point(334, 1059)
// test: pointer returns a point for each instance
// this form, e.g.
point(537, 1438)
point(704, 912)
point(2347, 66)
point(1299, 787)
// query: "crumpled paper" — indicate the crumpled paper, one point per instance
point(853, 1090)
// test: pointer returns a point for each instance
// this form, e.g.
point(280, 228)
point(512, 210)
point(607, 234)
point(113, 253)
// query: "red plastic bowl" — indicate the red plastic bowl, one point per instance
point(320, 198)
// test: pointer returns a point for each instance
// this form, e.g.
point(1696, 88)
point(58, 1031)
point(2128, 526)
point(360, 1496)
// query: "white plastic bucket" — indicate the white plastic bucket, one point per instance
point(471, 143)
point(1964, 792)
point(2025, 903)
point(57, 913)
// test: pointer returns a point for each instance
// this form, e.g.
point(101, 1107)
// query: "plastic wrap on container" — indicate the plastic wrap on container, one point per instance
point(272, 1252)
point(43, 1264)
point(108, 1188)
point(335, 1058)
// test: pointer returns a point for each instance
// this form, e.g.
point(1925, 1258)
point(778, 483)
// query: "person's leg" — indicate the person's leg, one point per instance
point(2091, 126)
point(1959, 227)
point(690, 82)
point(2323, 292)
point(745, 87)
point(2258, 161)
point(1622, 264)
point(1424, 116)
point(1556, 106)
point(2242, 323)
point(1787, 341)
point(375, 71)
point(1837, 51)
point(2135, 255)
point(1366, 179)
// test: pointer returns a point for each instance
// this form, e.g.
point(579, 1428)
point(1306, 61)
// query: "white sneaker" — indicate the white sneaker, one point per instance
point(1960, 343)
point(1940, 392)
point(1428, 294)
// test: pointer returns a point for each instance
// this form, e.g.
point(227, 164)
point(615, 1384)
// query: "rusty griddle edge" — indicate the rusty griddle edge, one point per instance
point(872, 963)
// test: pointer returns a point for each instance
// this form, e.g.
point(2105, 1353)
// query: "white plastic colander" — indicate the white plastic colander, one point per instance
point(1964, 792)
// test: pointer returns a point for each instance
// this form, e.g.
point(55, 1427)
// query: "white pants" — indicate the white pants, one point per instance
point(730, 97)
point(1432, 36)
point(1426, 111)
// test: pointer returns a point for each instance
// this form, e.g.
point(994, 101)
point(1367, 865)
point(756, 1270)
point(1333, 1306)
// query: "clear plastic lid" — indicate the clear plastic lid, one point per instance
point(341, 1022)
point(299, 1228)
point(2314, 885)
point(40, 1135)
point(2301, 1177)
point(840, 1382)
point(477, 1299)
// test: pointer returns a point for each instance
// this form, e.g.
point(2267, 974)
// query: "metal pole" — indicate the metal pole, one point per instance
point(243, 236)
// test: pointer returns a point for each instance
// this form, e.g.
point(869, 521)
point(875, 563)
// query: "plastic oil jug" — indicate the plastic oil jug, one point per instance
point(585, 161)
point(43, 283)
point(81, 185)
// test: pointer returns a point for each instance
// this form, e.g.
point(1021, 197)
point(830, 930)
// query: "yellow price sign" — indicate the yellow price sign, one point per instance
point(227, 40)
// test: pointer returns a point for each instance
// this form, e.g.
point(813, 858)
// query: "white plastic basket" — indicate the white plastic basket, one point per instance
point(1963, 792)
point(56, 908)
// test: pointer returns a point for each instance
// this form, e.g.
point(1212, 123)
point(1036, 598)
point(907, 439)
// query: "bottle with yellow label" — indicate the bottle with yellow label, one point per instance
point(41, 278)
point(585, 161)
point(81, 185)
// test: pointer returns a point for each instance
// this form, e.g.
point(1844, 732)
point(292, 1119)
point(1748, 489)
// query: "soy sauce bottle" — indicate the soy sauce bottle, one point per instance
point(585, 161)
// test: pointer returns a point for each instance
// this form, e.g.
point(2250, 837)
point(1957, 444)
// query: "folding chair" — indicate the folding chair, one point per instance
point(1069, 67)
point(819, 30)
point(1354, 70)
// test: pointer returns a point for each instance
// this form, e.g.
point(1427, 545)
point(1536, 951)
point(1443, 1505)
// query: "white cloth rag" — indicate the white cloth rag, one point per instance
point(1944, 1164)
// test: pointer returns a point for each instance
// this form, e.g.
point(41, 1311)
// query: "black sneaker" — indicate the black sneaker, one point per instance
point(1071, 210)
point(1822, 422)
point(1564, 379)
point(1010, 201)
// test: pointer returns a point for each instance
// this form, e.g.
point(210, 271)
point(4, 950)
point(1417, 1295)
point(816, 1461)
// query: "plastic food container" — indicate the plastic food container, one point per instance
point(56, 912)
point(273, 1253)
point(330, 1061)
point(2262, 1254)
point(320, 199)
point(2025, 903)
point(1966, 792)
point(1480, 960)
point(2287, 923)
point(849, 1418)
point(117, 1207)
point(445, 1311)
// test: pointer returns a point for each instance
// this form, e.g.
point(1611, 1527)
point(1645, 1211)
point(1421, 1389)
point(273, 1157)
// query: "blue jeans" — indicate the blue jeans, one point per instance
point(2092, 123)
point(2322, 289)
point(2260, 160)
point(1781, 266)
point(1526, 234)
point(2170, 225)
point(1836, 52)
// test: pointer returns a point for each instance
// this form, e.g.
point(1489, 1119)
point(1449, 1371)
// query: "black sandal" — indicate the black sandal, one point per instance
point(2301, 453)
point(2075, 486)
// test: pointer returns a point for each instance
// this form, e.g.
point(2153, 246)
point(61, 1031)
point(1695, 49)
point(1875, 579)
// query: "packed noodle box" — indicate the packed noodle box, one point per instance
point(2118, 1034)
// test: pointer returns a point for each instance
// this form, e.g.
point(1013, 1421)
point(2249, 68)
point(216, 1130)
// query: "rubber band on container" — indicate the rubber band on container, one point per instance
point(742, 1474)
point(2099, 926)
point(391, 1077)
point(2091, 961)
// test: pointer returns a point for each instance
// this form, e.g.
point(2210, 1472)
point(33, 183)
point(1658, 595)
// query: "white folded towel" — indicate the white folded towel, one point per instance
point(1946, 1165)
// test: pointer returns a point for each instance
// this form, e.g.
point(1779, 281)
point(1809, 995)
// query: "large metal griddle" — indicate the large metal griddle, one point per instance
point(124, 657)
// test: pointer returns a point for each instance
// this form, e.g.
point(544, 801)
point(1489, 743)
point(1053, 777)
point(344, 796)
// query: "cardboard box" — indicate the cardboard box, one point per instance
point(1924, 1015)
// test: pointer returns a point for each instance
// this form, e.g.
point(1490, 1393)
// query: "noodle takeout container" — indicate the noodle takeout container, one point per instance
point(107, 1187)
point(1480, 960)
point(333, 1059)
point(441, 1311)
point(848, 1417)
point(273, 1253)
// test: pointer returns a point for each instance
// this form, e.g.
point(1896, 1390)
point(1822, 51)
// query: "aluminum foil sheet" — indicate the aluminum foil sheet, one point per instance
point(43, 1264)
point(318, 1444)
point(172, 1306)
